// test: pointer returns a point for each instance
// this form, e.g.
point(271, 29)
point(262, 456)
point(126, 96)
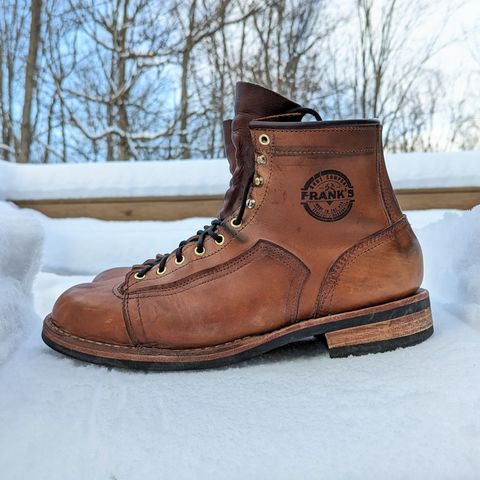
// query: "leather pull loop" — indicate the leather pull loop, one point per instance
point(296, 114)
point(307, 111)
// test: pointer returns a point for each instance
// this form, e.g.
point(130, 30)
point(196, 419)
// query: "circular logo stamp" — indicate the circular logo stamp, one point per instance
point(328, 196)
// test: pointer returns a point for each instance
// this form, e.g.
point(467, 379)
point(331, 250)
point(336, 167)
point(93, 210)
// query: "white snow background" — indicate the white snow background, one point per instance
point(291, 414)
point(21, 239)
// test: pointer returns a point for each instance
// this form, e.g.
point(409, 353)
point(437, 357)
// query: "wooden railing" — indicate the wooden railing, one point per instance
point(173, 208)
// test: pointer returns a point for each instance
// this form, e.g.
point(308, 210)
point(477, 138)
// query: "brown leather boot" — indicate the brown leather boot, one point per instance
point(315, 245)
point(118, 273)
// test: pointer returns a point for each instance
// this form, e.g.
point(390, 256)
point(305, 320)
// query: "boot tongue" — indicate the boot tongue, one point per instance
point(251, 102)
point(228, 145)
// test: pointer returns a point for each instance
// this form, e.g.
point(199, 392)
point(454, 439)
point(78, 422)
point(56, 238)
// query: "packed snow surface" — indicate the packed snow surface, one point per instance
point(21, 239)
point(291, 414)
point(204, 177)
point(113, 179)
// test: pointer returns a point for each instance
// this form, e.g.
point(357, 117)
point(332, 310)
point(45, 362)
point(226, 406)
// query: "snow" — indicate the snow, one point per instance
point(113, 179)
point(21, 239)
point(104, 244)
point(453, 263)
point(204, 177)
point(434, 170)
point(293, 413)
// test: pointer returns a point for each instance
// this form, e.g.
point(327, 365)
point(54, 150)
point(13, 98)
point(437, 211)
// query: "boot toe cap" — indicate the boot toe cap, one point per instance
point(91, 311)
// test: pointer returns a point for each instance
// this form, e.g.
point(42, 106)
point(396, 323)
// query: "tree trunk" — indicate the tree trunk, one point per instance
point(184, 104)
point(184, 146)
point(5, 140)
point(123, 99)
point(30, 81)
point(123, 119)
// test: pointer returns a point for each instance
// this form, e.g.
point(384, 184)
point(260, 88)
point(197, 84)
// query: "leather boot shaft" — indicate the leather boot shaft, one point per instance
point(327, 185)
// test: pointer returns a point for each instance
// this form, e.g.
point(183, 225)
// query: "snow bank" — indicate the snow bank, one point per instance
point(204, 177)
point(21, 239)
point(113, 179)
point(293, 413)
point(434, 170)
point(87, 246)
point(451, 249)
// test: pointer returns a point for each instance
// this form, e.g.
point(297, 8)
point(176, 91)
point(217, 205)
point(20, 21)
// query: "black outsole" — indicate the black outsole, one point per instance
point(292, 337)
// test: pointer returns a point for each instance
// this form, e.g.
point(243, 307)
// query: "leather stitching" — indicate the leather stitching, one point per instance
point(232, 238)
point(299, 272)
point(115, 291)
point(274, 251)
point(348, 258)
point(392, 209)
point(327, 129)
point(155, 346)
point(295, 286)
point(282, 153)
point(379, 182)
point(351, 257)
point(127, 320)
point(139, 311)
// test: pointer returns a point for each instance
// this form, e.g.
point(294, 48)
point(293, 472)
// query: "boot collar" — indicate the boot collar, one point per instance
point(251, 102)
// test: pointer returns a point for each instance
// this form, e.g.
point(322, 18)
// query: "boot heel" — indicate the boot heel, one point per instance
point(381, 336)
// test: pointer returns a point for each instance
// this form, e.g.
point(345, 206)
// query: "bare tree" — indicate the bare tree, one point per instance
point(117, 55)
point(290, 36)
point(464, 118)
point(199, 22)
point(148, 79)
point(13, 41)
point(274, 43)
point(30, 80)
point(388, 75)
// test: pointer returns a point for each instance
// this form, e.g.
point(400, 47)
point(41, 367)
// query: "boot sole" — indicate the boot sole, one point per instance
point(401, 323)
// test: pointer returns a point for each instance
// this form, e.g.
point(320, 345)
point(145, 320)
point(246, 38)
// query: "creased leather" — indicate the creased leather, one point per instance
point(184, 327)
point(392, 255)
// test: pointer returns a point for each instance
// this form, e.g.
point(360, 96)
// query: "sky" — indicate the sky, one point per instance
point(458, 24)
point(461, 34)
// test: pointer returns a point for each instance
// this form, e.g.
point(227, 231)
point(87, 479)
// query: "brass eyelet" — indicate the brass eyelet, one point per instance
point(138, 276)
point(258, 181)
point(264, 139)
point(199, 253)
point(251, 203)
point(262, 160)
point(234, 224)
point(221, 241)
point(161, 272)
point(179, 262)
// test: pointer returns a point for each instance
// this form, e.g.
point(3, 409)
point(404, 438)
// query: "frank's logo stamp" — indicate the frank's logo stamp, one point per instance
point(328, 196)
